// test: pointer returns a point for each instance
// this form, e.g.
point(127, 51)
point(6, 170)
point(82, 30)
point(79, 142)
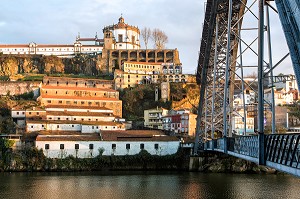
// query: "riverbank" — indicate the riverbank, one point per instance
point(34, 160)
point(220, 163)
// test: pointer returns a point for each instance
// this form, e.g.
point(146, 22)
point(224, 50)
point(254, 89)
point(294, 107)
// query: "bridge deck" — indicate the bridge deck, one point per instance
point(282, 150)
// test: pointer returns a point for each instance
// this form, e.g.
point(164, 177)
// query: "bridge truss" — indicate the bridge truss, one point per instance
point(221, 74)
point(218, 66)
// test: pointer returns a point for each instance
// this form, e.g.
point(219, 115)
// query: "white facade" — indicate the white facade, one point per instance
point(80, 118)
point(126, 39)
point(33, 126)
point(79, 109)
point(41, 49)
point(125, 36)
point(18, 113)
point(109, 148)
point(98, 128)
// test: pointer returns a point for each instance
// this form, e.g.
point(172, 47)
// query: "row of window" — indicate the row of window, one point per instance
point(138, 66)
point(76, 83)
point(84, 93)
point(91, 146)
point(89, 103)
point(93, 127)
point(45, 49)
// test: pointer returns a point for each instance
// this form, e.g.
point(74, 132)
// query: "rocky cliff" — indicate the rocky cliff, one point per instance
point(11, 65)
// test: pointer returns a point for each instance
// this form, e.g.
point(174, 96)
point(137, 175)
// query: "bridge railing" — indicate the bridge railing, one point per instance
point(283, 149)
point(215, 144)
point(244, 145)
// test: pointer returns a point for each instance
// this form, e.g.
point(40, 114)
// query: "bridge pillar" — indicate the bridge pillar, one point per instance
point(261, 149)
point(225, 144)
point(261, 141)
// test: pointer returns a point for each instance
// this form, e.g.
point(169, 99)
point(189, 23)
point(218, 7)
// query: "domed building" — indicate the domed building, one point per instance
point(121, 36)
point(120, 43)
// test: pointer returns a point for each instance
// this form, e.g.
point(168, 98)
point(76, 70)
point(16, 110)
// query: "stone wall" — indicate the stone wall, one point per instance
point(17, 87)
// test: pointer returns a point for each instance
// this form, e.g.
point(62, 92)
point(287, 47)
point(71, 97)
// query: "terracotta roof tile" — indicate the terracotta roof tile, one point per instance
point(78, 79)
point(68, 138)
point(78, 98)
point(73, 122)
point(137, 135)
point(73, 113)
point(77, 107)
point(77, 88)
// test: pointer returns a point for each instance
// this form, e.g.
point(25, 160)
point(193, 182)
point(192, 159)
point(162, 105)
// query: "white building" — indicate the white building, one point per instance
point(238, 123)
point(281, 96)
point(117, 36)
point(109, 142)
point(125, 36)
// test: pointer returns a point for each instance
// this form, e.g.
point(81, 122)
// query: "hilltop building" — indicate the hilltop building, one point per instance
point(127, 38)
point(134, 73)
point(120, 42)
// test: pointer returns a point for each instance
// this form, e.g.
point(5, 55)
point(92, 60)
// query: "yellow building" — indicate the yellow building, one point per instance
point(153, 118)
point(134, 73)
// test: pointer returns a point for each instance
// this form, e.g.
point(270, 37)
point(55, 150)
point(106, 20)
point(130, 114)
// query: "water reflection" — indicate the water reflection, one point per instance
point(146, 185)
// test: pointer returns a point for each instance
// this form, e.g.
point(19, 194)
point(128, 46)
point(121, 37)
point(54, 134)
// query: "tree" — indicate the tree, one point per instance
point(159, 38)
point(146, 33)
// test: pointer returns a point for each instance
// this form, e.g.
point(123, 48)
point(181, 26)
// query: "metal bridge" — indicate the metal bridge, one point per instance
point(225, 45)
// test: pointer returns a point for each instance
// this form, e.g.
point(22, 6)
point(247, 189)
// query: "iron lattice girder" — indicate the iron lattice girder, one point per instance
point(213, 52)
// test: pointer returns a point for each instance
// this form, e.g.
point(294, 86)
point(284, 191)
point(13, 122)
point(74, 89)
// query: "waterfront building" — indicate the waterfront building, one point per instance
point(129, 142)
point(84, 129)
point(72, 104)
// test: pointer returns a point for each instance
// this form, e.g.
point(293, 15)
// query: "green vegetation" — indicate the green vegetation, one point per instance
point(36, 77)
point(136, 100)
point(4, 78)
point(142, 97)
point(25, 96)
point(294, 113)
point(177, 91)
point(294, 110)
point(32, 159)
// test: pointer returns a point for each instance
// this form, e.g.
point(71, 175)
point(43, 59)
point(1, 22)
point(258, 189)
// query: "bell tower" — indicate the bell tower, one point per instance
point(108, 40)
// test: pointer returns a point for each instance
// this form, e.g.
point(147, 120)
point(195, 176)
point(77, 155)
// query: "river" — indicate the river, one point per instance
point(146, 185)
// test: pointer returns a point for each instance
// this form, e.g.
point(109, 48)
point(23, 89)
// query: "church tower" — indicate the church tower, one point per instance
point(124, 36)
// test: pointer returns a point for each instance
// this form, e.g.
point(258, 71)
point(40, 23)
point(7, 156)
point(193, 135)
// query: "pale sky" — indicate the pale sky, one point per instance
point(59, 21)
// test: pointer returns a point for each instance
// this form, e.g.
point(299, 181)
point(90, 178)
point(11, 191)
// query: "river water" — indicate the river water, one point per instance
point(146, 185)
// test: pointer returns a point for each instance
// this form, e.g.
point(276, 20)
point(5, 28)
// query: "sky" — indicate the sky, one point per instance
point(60, 21)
